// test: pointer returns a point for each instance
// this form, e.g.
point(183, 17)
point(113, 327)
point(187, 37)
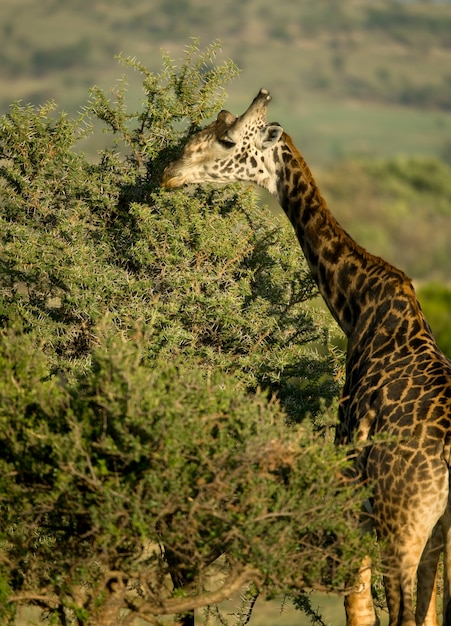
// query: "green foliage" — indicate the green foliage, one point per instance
point(436, 303)
point(407, 208)
point(145, 335)
point(141, 455)
point(417, 180)
point(193, 92)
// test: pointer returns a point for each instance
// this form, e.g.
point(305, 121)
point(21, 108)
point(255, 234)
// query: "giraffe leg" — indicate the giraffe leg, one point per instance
point(446, 523)
point(399, 589)
point(359, 604)
point(410, 499)
point(426, 609)
point(401, 563)
point(446, 585)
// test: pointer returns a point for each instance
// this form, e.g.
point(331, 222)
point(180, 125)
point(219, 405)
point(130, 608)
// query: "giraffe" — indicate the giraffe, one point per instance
point(397, 390)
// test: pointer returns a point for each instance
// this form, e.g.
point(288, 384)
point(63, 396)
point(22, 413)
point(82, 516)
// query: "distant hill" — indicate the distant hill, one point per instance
point(384, 51)
point(344, 75)
point(350, 80)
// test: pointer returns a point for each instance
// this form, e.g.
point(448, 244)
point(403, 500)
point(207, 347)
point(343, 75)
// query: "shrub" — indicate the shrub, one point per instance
point(145, 336)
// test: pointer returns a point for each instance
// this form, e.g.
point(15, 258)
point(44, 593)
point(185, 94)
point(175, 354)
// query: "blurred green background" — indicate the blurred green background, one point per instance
point(363, 86)
point(357, 77)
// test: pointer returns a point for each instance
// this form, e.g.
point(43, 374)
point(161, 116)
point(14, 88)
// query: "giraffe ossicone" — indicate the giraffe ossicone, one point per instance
point(398, 382)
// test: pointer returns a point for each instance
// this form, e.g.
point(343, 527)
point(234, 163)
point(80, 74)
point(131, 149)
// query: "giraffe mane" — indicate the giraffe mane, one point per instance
point(394, 271)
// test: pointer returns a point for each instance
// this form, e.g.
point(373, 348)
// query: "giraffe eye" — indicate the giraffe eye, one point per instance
point(225, 143)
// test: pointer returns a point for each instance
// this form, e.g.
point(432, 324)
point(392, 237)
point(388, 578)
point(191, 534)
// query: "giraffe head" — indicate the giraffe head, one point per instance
point(229, 149)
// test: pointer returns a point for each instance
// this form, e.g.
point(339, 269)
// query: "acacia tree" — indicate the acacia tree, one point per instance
point(145, 337)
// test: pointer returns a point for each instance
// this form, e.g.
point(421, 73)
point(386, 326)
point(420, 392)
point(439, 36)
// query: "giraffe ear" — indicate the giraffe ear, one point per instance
point(226, 117)
point(270, 135)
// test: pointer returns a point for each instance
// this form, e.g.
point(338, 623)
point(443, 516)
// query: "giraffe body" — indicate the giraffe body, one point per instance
point(398, 383)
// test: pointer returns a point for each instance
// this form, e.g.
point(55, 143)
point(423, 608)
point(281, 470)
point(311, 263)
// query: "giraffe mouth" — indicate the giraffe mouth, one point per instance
point(172, 180)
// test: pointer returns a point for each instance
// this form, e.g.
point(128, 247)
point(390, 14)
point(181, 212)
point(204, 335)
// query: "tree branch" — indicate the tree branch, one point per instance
point(50, 601)
point(232, 584)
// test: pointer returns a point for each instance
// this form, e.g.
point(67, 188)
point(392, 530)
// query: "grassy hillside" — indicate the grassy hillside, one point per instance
point(351, 75)
point(349, 80)
point(399, 209)
point(390, 52)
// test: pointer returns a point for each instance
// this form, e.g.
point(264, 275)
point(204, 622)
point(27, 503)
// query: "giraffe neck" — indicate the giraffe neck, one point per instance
point(347, 276)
